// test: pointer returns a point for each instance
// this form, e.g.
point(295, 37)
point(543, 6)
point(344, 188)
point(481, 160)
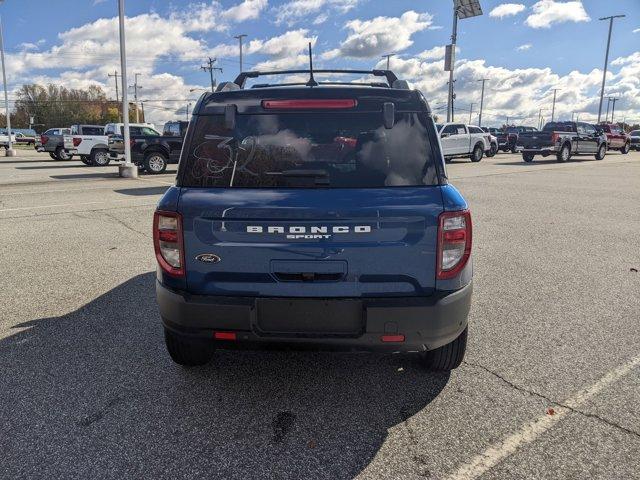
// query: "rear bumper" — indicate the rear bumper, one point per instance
point(425, 322)
point(544, 151)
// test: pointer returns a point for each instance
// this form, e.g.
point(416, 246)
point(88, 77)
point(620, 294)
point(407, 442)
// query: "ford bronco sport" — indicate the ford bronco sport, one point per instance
point(314, 214)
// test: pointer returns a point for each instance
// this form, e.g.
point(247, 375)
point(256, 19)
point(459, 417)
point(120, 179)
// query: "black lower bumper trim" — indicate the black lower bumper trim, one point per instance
point(425, 322)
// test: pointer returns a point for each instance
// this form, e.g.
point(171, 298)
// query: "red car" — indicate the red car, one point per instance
point(617, 139)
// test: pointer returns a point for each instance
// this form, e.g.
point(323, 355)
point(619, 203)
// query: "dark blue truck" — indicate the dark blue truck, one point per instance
point(314, 215)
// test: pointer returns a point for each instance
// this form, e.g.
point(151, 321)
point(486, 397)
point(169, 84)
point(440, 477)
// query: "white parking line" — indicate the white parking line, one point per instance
point(493, 455)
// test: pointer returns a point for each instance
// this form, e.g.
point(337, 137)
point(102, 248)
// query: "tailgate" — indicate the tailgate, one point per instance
point(311, 242)
point(535, 140)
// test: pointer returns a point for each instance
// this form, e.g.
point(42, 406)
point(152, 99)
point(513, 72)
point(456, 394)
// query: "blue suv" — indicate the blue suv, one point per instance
point(314, 214)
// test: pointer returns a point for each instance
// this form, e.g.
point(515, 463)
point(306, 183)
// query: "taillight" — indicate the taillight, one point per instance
point(168, 242)
point(44, 139)
point(555, 137)
point(308, 104)
point(454, 243)
point(76, 141)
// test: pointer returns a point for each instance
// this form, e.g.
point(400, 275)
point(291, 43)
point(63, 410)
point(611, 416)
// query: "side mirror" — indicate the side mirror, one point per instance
point(230, 112)
point(389, 114)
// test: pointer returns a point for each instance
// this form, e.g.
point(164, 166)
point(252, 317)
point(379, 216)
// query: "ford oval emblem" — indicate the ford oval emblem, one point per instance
point(208, 258)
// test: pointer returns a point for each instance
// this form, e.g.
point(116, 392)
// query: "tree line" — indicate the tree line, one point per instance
point(43, 107)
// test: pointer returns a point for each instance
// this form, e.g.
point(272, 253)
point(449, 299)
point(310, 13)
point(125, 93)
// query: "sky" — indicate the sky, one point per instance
point(524, 48)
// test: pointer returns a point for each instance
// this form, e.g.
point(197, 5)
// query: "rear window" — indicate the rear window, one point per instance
point(310, 150)
point(92, 130)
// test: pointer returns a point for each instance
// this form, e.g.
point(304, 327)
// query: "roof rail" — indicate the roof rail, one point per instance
point(391, 77)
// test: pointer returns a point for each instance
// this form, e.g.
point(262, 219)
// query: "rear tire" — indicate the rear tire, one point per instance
point(564, 154)
point(527, 157)
point(624, 150)
point(448, 356)
point(477, 153)
point(62, 154)
point(99, 157)
point(602, 151)
point(53, 155)
point(514, 149)
point(155, 163)
point(85, 159)
point(188, 352)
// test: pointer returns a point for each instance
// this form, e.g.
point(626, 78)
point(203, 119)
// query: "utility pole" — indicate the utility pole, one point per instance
point(540, 119)
point(135, 96)
point(553, 109)
point(127, 170)
point(115, 77)
point(606, 61)
point(470, 112)
point(613, 108)
point(211, 69)
point(188, 105)
point(606, 117)
point(481, 101)
point(240, 37)
point(144, 118)
point(388, 57)
point(10, 152)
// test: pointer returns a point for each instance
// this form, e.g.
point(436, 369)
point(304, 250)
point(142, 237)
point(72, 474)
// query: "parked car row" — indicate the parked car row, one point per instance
point(562, 139)
point(98, 145)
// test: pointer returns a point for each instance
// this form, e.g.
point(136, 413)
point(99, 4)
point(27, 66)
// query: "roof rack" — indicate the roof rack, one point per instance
point(364, 84)
point(391, 77)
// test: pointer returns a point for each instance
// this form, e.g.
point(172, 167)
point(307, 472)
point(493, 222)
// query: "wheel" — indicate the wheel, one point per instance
point(155, 162)
point(99, 157)
point(477, 153)
point(565, 153)
point(187, 352)
point(448, 356)
point(62, 154)
point(602, 151)
point(53, 155)
point(527, 157)
point(513, 149)
point(624, 150)
point(85, 159)
point(492, 151)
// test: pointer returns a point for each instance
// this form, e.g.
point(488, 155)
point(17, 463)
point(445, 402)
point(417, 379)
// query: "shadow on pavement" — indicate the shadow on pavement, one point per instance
point(42, 167)
point(85, 175)
point(142, 191)
point(93, 394)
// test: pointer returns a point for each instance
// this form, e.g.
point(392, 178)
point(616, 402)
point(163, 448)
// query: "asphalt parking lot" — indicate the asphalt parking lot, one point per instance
point(550, 387)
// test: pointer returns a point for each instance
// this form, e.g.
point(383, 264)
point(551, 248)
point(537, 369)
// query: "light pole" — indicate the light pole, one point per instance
point(481, 101)
point(10, 152)
point(240, 37)
point(606, 115)
point(388, 57)
point(606, 61)
point(461, 9)
point(128, 170)
point(553, 108)
point(470, 112)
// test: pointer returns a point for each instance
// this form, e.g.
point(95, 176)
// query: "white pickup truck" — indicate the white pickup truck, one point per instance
point(90, 143)
point(460, 140)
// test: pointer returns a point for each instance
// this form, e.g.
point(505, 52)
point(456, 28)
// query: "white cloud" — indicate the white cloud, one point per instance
point(520, 93)
point(549, 12)
point(524, 47)
point(434, 53)
point(506, 10)
point(637, 30)
point(296, 10)
point(370, 38)
point(247, 10)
